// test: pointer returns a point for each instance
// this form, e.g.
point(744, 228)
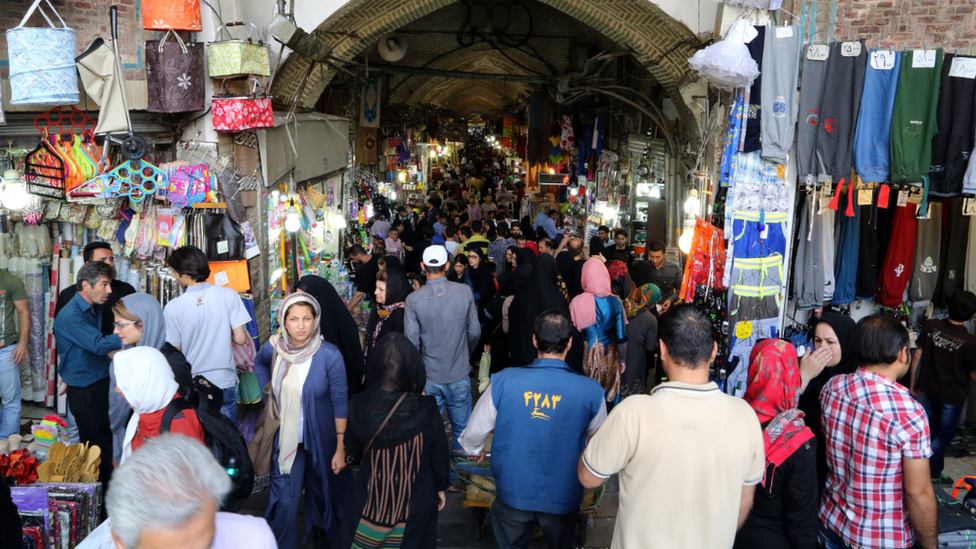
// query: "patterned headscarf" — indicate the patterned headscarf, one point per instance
point(641, 298)
point(773, 392)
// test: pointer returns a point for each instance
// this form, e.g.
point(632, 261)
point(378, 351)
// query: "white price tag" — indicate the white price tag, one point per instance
point(864, 197)
point(963, 67)
point(882, 60)
point(222, 247)
point(818, 52)
point(221, 279)
point(850, 49)
point(902, 198)
point(969, 206)
point(828, 188)
point(784, 32)
point(924, 59)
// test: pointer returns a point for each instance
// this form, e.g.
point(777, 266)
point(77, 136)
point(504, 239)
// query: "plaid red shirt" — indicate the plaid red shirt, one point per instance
point(870, 424)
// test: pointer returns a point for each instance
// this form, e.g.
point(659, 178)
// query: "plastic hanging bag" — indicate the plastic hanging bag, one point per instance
point(484, 373)
point(728, 64)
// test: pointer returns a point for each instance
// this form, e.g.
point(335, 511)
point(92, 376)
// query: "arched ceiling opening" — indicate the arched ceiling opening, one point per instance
point(658, 44)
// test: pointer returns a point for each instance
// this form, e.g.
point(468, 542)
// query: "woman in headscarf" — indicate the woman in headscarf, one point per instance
point(785, 507)
point(336, 328)
point(510, 259)
point(479, 277)
point(599, 316)
point(139, 322)
point(641, 272)
point(392, 289)
point(545, 291)
point(620, 283)
point(306, 380)
point(493, 333)
point(527, 228)
point(145, 380)
point(832, 354)
point(525, 256)
point(399, 434)
point(458, 267)
point(641, 339)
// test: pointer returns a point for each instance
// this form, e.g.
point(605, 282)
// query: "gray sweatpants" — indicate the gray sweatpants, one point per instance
point(811, 95)
point(843, 84)
point(928, 246)
point(780, 69)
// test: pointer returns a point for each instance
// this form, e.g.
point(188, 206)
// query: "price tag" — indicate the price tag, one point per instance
point(864, 197)
point(963, 67)
point(884, 196)
point(781, 171)
point(818, 52)
point(784, 32)
point(850, 49)
point(828, 188)
point(743, 329)
point(221, 279)
point(222, 247)
point(882, 60)
point(923, 59)
point(902, 198)
point(969, 206)
point(764, 234)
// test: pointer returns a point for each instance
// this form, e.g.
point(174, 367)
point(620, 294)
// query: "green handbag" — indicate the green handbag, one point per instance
point(235, 57)
point(248, 390)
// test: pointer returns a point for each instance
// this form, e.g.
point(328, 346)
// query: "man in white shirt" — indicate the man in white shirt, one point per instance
point(205, 322)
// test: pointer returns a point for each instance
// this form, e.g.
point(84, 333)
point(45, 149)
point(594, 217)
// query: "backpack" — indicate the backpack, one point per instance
point(226, 443)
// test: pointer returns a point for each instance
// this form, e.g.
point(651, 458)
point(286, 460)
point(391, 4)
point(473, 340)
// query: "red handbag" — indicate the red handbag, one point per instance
point(239, 113)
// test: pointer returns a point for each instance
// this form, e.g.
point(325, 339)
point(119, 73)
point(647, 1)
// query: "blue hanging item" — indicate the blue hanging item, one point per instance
point(42, 61)
point(135, 179)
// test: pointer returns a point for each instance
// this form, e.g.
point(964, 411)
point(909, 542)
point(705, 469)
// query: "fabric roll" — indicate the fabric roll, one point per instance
point(781, 65)
point(65, 277)
point(866, 286)
point(956, 122)
point(844, 83)
point(872, 138)
point(846, 266)
point(913, 122)
point(753, 113)
point(811, 96)
point(36, 374)
point(928, 246)
point(897, 267)
point(954, 247)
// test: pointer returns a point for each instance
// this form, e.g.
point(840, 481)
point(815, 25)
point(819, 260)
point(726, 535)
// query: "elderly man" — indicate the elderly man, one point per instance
point(167, 495)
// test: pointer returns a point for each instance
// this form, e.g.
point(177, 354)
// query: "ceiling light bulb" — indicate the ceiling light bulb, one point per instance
point(684, 243)
point(552, 171)
point(433, 153)
point(293, 222)
point(15, 196)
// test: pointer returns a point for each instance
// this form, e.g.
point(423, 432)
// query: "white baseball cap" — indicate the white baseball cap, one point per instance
point(435, 256)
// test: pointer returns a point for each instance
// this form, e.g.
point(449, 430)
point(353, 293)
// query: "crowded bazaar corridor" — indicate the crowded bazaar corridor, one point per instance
point(407, 274)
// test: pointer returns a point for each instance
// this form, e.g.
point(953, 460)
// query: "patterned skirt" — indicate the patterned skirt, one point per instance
point(603, 364)
point(373, 536)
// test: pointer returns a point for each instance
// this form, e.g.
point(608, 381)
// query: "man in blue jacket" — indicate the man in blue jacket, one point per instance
point(543, 415)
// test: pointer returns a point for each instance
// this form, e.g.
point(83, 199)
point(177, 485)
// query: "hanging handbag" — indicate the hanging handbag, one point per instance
point(163, 15)
point(42, 62)
point(236, 57)
point(174, 75)
point(262, 445)
point(239, 113)
point(225, 241)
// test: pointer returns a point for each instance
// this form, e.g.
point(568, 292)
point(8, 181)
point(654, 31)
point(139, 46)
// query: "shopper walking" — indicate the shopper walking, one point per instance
point(145, 380)
point(642, 324)
point(544, 292)
point(338, 329)
point(784, 510)
point(84, 355)
point(442, 322)
point(13, 350)
point(100, 252)
point(688, 455)
point(308, 388)
point(879, 492)
point(833, 354)
point(205, 322)
point(397, 431)
point(479, 277)
point(598, 314)
point(392, 289)
point(943, 368)
point(542, 416)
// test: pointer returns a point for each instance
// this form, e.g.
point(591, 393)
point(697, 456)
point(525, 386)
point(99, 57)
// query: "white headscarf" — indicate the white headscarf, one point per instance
point(146, 381)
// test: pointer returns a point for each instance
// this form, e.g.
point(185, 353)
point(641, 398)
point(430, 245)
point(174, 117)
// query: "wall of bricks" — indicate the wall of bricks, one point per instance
point(908, 24)
point(90, 20)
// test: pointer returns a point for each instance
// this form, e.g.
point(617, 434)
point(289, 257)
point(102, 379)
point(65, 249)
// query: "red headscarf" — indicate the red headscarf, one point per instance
point(773, 392)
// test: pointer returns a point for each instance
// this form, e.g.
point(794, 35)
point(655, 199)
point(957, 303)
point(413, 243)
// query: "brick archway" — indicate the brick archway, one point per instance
point(659, 42)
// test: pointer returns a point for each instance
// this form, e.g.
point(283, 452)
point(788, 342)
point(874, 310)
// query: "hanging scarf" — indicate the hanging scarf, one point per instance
point(641, 298)
point(146, 381)
point(773, 392)
point(595, 280)
point(287, 389)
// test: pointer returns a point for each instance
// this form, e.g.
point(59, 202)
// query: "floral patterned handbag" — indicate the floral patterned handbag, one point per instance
point(175, 75)
point(239, 113)
point(235, 57)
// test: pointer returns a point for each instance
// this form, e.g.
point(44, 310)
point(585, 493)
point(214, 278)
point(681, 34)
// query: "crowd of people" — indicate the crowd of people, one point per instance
point(595, 367)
